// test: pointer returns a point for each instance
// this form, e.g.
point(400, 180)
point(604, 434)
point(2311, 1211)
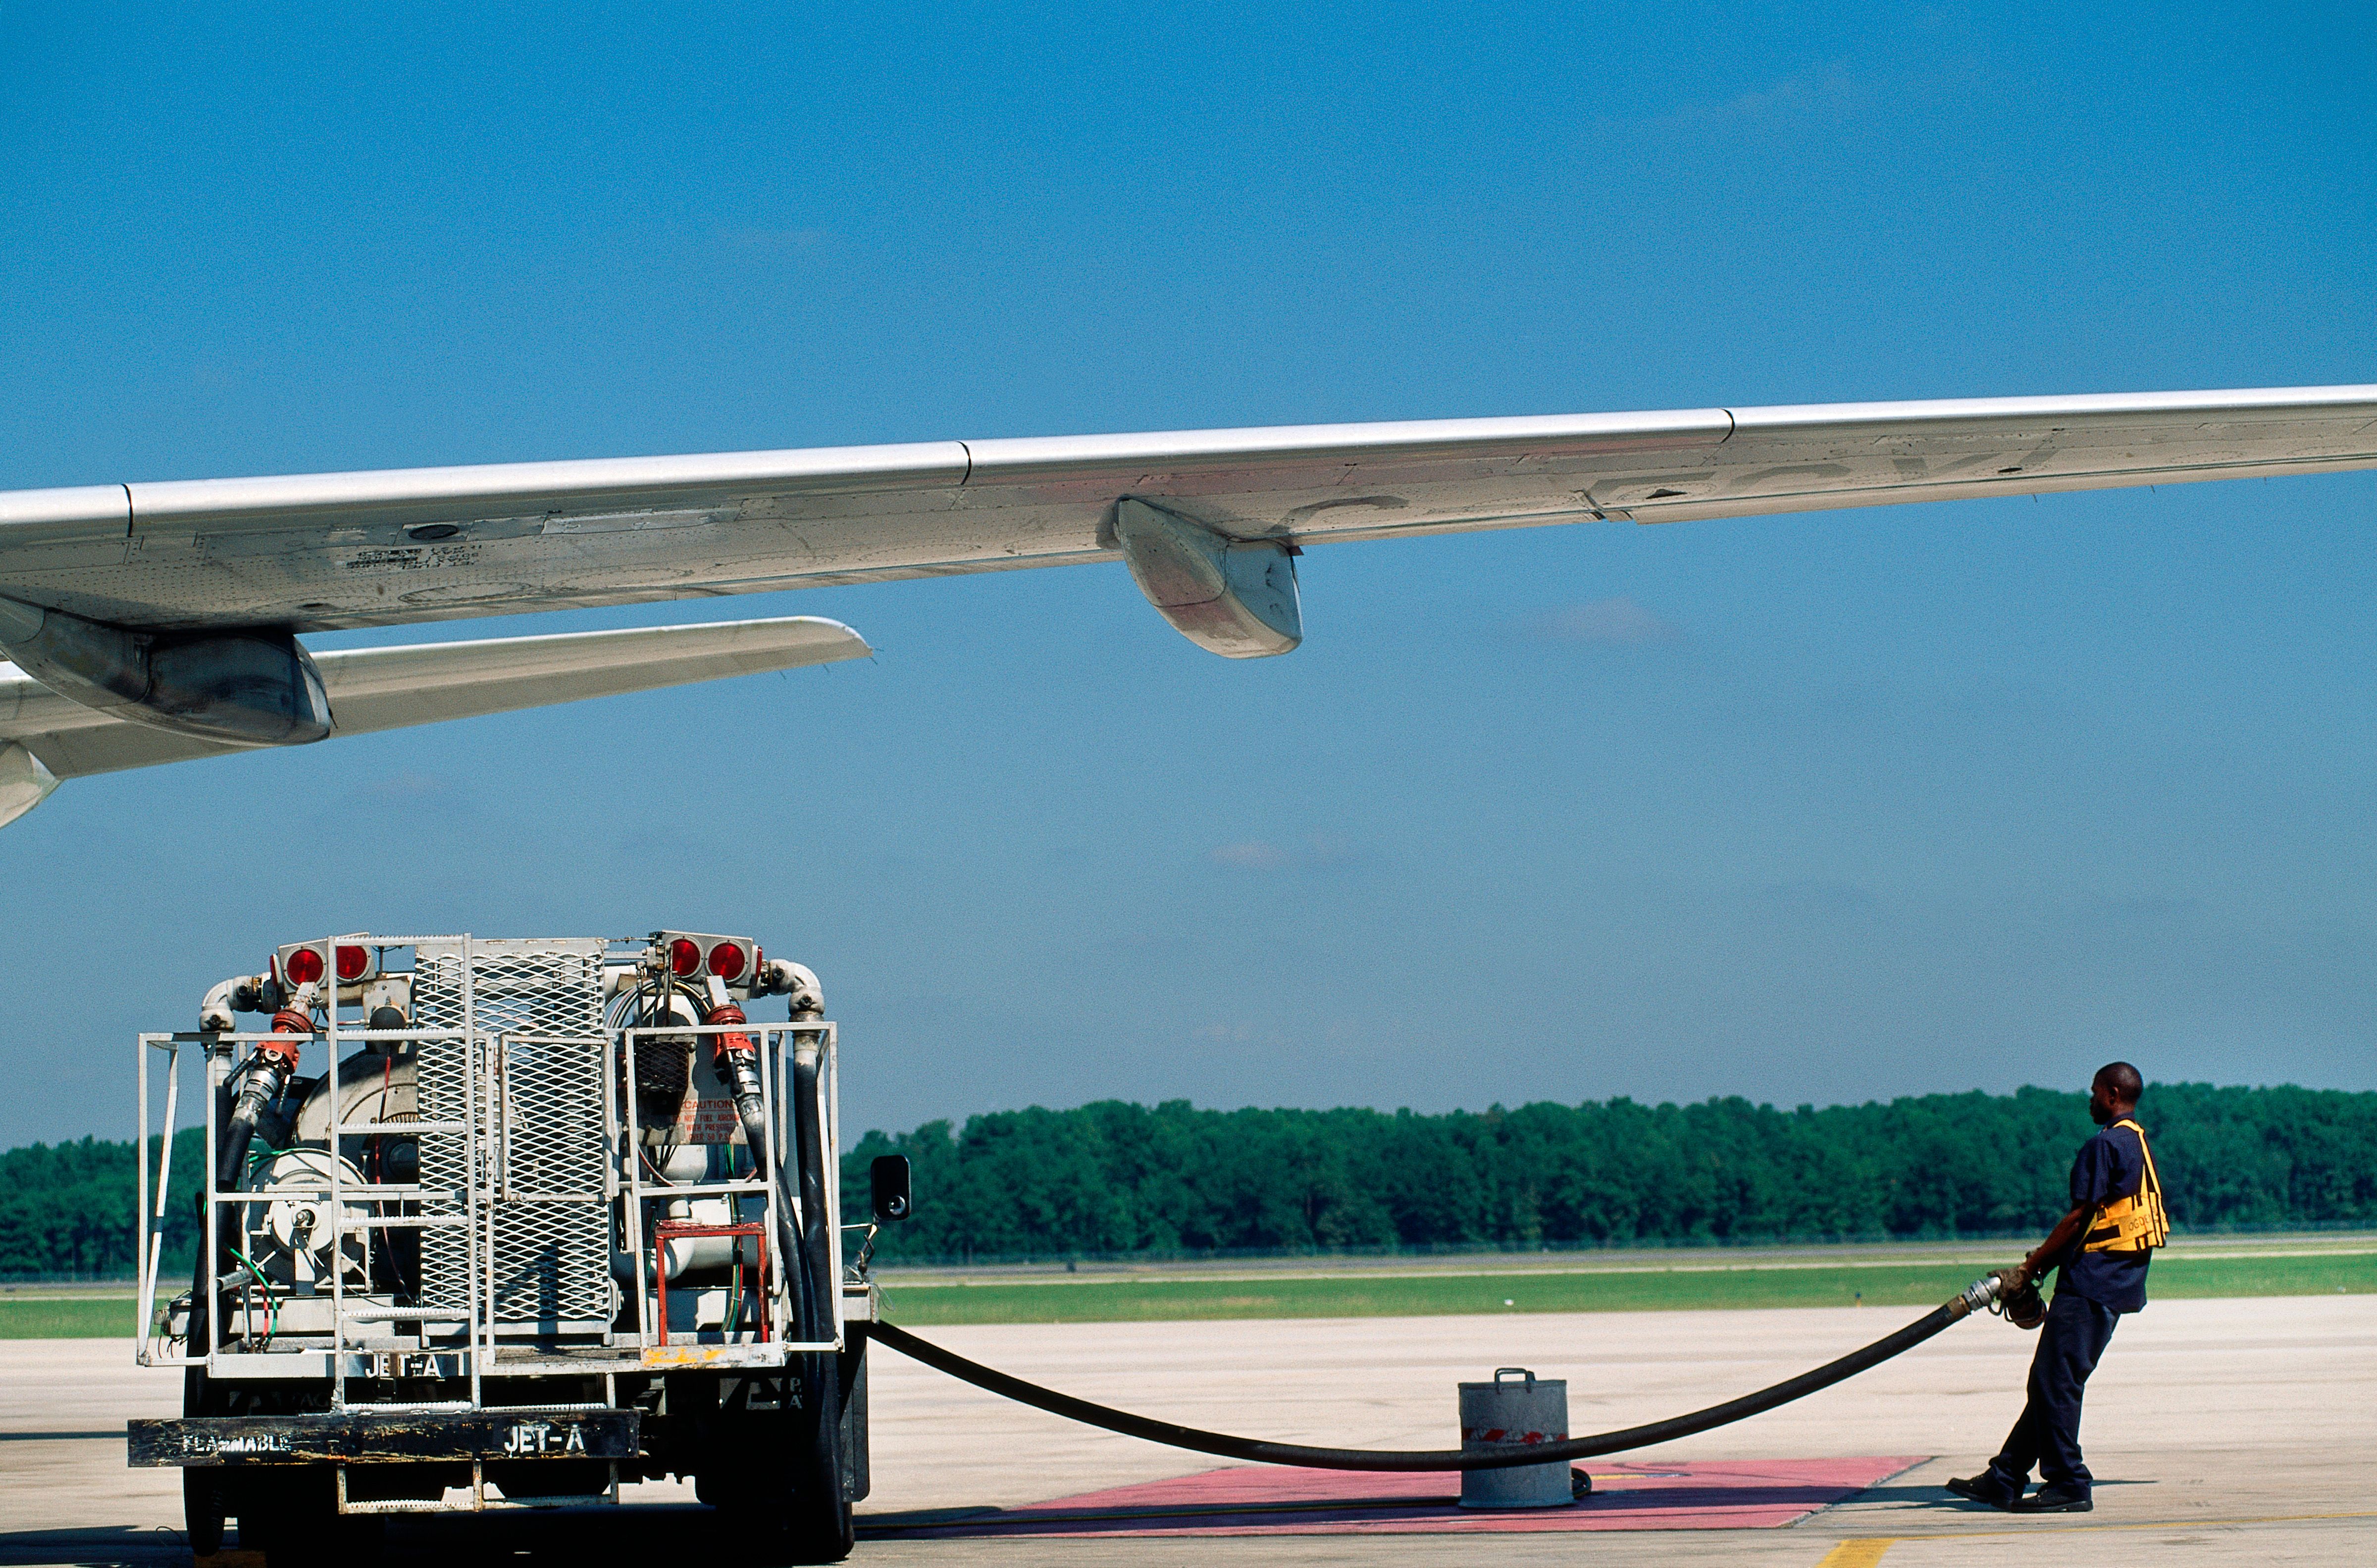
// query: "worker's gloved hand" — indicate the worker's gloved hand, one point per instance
point(2018, 1298)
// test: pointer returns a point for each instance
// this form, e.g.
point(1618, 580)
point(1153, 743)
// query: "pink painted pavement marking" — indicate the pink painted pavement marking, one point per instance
point(1733, 1494)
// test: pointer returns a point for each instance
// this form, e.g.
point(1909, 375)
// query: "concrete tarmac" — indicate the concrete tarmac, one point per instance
point(2221, 1432)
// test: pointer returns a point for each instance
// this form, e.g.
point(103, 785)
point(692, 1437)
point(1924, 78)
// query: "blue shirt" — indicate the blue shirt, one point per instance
point(2110, 1165)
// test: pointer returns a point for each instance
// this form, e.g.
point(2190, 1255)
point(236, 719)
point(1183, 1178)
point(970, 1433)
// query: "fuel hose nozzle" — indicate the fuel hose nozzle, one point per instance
point(737, 1057)
point(261, 1080)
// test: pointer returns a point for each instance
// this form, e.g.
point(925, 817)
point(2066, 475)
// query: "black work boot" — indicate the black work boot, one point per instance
point(2056, 1497)
point(1987, 1488)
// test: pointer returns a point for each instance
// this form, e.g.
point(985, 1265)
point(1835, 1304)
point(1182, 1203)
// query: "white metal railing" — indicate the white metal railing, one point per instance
point(217, 1049)
point(483, 1129)
point(215, 1054)
point(776, 1043)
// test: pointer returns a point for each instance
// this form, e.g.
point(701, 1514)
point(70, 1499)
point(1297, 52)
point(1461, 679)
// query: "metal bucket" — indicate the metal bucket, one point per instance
point(1496, 1415)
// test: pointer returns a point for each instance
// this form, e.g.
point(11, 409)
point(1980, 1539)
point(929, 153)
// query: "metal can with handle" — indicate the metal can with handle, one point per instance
point(1517, 1408)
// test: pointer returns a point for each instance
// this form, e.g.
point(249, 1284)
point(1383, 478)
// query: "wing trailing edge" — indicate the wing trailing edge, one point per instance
point(45, 738)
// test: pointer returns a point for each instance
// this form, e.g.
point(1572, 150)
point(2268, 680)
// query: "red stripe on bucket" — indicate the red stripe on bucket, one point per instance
point(1503, 1435)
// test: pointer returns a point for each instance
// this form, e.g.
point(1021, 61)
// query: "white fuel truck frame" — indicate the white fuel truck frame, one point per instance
point(550, 1215)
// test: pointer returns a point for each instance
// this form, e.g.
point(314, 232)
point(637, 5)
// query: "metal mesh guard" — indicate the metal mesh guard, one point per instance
point(540, 1125)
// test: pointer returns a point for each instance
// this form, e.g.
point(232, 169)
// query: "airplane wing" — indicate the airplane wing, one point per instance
point(320, 551)
point(176, 604)
point(390, 688)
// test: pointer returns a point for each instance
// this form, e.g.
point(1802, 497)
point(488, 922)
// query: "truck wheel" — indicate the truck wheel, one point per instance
point(297, 1524)
point(202, 1511)
point(788, 1500)
point(821, 1529)
point(202, 1498)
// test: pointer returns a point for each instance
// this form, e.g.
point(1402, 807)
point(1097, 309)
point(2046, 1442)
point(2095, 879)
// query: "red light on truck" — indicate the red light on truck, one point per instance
point(726, 961)
point(304, 967)
point(685, 957)
point(352, 962)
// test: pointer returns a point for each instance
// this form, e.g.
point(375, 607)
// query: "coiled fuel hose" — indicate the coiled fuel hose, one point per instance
point(1980, 1294)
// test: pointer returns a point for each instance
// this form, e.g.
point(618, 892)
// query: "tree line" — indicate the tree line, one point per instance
point(68, 1210)
point(1115, 1178)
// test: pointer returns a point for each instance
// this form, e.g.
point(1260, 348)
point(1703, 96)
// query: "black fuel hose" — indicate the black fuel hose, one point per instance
point(261, 1081)
point(1980, 1294)
point(816, 1258)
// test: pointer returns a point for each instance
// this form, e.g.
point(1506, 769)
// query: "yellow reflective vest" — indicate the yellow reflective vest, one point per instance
point(2135, 1223)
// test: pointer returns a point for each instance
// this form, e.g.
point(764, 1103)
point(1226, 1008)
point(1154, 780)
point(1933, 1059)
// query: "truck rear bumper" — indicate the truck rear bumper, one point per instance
point(383, 1437)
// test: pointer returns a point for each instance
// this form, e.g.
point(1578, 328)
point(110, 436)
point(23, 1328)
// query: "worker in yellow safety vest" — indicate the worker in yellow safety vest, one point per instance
point(2101, 1250)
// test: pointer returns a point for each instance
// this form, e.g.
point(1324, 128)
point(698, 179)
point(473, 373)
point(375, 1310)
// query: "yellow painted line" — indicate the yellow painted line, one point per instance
point(1857, 1553)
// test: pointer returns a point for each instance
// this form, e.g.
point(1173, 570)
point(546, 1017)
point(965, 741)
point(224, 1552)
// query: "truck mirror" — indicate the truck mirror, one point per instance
point(887, 1181)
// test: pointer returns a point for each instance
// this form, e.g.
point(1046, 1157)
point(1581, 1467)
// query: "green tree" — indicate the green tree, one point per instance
point(1112, 1178)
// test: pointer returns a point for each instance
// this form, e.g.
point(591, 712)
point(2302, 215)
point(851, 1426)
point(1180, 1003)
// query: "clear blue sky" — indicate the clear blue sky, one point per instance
point(1814, 808)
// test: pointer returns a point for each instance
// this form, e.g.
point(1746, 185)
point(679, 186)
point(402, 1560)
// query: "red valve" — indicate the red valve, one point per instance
point(290, 1032)
point(734, 1044)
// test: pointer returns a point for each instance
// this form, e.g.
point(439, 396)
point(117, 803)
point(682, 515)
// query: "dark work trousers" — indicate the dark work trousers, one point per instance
point(2076, 1332)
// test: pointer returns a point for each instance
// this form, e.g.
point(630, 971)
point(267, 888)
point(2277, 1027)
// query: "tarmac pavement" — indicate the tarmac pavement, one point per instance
point(2221, 1432)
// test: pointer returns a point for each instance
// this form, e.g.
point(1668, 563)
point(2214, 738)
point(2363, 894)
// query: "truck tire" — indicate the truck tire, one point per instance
point(786, 1499)
point(856, 1480)
point(202, 1511)
point(822, 1530)
point(296, 1523)
point(202, 1494)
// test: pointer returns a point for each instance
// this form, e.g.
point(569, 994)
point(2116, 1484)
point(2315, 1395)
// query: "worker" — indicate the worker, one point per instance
point(2100, 1250)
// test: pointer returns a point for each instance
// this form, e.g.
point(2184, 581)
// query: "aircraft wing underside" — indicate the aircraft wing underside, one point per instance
point(157, 622)
point(321, 551)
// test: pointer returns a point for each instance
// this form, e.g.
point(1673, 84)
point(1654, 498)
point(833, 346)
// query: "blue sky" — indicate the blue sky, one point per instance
point(1809, 809)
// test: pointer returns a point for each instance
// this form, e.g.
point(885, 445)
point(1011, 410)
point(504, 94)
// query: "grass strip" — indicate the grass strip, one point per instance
point(1187, 1297)
point(68, 1317)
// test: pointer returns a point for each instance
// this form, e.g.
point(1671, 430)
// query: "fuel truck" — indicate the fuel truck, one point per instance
point(502, 1224)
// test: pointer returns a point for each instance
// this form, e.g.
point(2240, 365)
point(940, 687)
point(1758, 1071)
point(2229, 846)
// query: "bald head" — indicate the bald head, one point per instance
point(2113, 1094)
